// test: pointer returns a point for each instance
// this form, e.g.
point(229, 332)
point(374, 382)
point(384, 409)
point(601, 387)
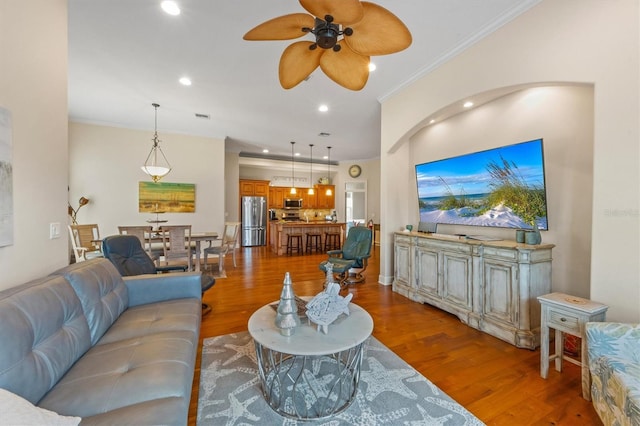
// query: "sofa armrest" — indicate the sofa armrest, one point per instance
point(151, 288)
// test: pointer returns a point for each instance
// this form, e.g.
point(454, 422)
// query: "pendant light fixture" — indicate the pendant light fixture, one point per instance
point(311, 191)
point(293, 178)
point(329, 192)
point(157, 166)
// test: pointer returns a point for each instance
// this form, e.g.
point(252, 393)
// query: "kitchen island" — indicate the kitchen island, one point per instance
point(279, 229)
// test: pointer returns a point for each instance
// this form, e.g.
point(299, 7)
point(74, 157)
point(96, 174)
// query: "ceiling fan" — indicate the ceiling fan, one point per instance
point(347, 33)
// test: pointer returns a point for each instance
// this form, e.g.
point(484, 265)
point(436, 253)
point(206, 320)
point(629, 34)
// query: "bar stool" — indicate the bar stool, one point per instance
point(291, 238)
point(314, 242)
point(331, 241)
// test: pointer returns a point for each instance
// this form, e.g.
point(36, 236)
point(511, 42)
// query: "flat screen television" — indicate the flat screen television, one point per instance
point(501, 187)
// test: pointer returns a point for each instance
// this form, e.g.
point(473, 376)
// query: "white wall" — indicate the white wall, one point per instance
point(33, 86)
point(105, 167)
point(563, 117)
point(590, 41)
point(371, 174)
point(232, 187)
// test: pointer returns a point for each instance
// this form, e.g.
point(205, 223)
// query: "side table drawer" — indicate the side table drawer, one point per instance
point(564, 321)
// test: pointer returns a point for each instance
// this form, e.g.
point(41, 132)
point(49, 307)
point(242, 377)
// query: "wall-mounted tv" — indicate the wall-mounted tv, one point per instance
point(501, 187)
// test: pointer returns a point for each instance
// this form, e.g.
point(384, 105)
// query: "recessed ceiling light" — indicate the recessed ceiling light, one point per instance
point(324, 134)
point(170, 7)
point(297, 154)
point(468, 104)
point(323, 108)
point(266, 151)
point(185, 81)
point(372, 66)
point(432, 121)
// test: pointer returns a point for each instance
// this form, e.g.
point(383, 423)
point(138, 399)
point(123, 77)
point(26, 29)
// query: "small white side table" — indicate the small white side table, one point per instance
point(567, 314)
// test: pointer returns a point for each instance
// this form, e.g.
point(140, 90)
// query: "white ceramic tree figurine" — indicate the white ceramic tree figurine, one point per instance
point(287, 315)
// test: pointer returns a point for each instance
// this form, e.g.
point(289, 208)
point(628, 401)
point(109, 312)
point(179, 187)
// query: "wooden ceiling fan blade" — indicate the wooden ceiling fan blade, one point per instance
point(380, 32)
point(285, 27)
point(343, 11)
point(346, 67)
point(297, 62)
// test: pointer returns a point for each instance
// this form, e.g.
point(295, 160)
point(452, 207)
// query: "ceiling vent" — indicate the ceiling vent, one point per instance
point(203, 116)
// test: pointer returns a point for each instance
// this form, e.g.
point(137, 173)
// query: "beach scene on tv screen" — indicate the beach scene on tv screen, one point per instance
point(501, 187)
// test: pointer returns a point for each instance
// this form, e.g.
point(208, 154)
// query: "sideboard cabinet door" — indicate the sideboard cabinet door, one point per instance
point(402, 265)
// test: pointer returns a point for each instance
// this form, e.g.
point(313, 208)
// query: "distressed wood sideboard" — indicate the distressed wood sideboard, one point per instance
point(490, 285)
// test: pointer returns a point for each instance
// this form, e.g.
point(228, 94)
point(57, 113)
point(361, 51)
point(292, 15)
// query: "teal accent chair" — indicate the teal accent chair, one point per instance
point(350, 262)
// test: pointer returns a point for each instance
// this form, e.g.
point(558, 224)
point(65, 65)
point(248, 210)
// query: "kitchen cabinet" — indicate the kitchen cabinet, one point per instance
point(490, 285)
point(276, 196)
point(258, 188)
point(324, 201)
point(308, 201)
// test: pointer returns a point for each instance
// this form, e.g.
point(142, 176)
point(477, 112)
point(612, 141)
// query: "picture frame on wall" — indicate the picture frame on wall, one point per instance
point(166, 197)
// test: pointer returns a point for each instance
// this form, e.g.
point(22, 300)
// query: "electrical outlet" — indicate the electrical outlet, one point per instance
point(54, 230)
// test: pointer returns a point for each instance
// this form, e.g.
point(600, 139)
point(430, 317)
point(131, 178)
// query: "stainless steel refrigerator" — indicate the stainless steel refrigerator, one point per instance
point(254, 221)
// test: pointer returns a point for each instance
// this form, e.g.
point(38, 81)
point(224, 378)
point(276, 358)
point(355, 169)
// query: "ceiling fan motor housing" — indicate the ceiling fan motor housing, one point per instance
point(326, 33)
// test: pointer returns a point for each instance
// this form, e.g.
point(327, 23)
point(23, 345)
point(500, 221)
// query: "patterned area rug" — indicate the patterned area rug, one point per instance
point(390, 392)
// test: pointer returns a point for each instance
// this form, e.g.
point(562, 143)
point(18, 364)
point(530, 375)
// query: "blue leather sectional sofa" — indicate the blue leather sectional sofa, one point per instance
point(85, 342)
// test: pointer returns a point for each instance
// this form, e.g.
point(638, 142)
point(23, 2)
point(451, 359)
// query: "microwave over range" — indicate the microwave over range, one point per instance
point(292, 203)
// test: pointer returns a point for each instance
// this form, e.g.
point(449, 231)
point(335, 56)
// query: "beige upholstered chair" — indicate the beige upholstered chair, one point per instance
point(85, 240)
point(176, 243)
point(228, 244)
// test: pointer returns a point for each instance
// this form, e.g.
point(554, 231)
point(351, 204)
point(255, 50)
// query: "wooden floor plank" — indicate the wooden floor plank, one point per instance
point(496, 381)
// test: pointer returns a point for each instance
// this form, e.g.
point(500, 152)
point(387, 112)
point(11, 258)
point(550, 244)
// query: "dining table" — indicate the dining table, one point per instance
point(198, 238)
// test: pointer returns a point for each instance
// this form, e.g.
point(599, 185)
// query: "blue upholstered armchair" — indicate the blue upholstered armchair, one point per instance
point(614, 363)
point(129, 258)
point(350, 262)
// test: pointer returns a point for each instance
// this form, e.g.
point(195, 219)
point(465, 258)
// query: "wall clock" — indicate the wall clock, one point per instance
point(354, 171)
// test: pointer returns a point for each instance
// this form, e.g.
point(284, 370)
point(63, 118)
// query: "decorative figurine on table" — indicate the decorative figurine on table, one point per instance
point(287, 314)
point(327, 306)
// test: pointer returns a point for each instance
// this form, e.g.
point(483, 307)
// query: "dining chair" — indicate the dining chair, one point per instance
point(85, 241)
point(176, 244)
point(227, 244)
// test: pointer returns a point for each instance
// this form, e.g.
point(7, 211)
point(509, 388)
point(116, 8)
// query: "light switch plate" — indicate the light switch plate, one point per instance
point(54, 230)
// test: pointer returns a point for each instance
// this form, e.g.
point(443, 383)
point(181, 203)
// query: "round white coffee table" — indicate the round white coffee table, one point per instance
point(310, 375)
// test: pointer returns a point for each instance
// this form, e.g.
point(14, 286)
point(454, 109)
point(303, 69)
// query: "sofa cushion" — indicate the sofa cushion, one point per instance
point(172, 315)
point(43, 332)
point(101, 291)
point(129, 372)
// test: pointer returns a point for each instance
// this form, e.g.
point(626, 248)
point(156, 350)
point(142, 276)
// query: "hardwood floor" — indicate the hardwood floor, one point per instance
point(496, 381)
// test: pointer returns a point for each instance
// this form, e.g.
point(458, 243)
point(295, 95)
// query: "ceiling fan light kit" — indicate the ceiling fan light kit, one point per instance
point(347, 33)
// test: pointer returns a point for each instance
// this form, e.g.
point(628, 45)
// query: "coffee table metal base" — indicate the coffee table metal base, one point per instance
point(307, 387)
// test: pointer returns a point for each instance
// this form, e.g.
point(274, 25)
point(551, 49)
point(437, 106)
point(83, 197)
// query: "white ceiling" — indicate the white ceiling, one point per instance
point(125, 55)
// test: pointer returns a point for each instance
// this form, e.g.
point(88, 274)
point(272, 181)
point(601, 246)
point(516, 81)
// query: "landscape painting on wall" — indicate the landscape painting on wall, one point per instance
point(6, 179)
point(501, 187)
point(165, 197)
